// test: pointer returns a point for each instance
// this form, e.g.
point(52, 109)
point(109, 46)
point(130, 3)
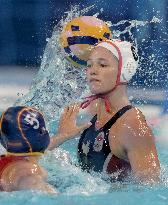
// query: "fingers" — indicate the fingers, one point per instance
point(73, 110)
point(70, 113)
point(64, 113)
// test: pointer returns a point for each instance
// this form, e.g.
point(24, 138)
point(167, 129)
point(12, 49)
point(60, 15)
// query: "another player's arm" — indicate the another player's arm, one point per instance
point(67, 126)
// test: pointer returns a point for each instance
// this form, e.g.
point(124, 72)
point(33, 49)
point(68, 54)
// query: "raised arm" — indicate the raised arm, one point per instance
point(67, 126)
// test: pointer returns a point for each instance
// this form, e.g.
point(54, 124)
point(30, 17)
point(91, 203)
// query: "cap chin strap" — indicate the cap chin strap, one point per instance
point(91, 98)
point(107, 104)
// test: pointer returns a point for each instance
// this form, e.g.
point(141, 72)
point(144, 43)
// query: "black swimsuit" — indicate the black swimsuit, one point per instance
point(94, 152)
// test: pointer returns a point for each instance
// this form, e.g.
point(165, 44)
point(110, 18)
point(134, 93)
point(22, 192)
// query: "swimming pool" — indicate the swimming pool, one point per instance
point(77, 187)
point(50, 93)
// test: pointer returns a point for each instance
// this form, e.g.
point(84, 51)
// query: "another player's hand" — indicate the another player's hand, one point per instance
point(67, 124)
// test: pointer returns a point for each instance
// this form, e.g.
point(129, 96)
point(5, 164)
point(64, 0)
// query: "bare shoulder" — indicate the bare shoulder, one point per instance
point(24, 167)
point(134, 128)
point(134, 117)
point(17, 171)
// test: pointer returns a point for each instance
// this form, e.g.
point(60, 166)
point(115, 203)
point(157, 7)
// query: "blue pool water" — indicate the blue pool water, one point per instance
point(56, 85)
point(133, 197)
point(77, 187)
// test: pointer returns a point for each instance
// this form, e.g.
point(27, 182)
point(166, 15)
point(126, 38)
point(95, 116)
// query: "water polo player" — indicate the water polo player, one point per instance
point(24, 136)
point(119, 140)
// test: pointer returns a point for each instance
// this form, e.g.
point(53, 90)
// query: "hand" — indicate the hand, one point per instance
point(67, 125)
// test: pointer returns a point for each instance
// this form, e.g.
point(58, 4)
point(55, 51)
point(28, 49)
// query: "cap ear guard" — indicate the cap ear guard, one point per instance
point(129, 60)
point(127, 55)
point(128, 70)
point(130, 65)
point(134, 53)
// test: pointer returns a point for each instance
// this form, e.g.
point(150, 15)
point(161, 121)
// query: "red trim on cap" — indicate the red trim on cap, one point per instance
point(120, 63)
point(91, 98)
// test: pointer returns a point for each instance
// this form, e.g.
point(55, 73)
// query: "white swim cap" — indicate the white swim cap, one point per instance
point(127, 56)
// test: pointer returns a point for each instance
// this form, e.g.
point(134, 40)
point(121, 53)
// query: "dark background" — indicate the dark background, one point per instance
point(25, 25)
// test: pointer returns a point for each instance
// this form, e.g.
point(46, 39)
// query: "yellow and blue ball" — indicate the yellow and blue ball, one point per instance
point(80, 35)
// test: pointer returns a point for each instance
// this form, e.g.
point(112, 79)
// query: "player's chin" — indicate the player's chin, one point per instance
point(95, 91)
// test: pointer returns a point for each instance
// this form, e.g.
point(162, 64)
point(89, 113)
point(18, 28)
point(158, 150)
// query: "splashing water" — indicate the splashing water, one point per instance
point(133, 24)
point(57, 82)
point(74, 181)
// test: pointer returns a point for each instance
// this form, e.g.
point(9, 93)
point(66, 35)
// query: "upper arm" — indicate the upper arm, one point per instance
point(138, 141)
point(144, 160)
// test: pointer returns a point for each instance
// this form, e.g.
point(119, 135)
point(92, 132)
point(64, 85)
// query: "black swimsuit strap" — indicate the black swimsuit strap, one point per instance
point(109, 124)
